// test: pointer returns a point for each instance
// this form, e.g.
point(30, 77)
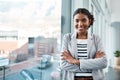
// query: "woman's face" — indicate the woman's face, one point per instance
point(81, 23)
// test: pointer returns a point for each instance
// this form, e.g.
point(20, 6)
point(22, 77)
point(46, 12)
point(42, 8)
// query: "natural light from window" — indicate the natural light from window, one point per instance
point(31, 18)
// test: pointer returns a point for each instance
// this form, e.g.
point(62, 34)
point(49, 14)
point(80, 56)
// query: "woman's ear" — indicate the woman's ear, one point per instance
point(90, 21)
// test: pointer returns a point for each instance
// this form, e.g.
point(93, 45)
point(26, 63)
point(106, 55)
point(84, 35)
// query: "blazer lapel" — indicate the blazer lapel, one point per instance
point(90, 44)
point(74, 45)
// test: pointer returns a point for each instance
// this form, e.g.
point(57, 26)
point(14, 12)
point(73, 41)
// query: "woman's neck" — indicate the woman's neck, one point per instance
point(81, 35)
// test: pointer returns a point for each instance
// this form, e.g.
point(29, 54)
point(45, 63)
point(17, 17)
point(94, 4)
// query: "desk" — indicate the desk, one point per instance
point(3, 63)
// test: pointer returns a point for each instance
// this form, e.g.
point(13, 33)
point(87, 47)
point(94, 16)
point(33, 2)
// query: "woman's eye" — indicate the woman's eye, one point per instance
point(76, 20)
point(84, 20)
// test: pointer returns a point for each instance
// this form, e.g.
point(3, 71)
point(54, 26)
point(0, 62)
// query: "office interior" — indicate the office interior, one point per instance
point(30, 45)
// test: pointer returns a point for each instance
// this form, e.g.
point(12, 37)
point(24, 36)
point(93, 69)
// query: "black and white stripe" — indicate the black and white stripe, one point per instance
point(82, 46)
point(82, 49)
point(83, 74)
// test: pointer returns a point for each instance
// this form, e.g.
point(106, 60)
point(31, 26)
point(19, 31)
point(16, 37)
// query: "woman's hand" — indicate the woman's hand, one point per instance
point(99, 54)
point(68, 57)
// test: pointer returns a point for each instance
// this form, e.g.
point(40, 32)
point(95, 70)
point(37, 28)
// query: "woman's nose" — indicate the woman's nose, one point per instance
point(80, 23)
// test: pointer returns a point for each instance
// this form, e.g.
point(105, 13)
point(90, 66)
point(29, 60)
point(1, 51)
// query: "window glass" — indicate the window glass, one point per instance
point(30, 36)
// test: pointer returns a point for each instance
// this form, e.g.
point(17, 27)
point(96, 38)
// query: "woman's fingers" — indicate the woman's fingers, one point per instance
point(102, 54)
point(62, 58)
point(99, 54)
point(63, 55)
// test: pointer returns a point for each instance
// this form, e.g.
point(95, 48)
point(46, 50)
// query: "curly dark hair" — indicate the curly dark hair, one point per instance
point(86, 12)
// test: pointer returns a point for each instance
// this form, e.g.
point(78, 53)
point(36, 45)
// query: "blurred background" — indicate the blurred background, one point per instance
point(31, 33)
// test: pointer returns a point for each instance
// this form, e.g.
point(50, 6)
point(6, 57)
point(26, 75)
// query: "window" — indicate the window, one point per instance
point(31, 33)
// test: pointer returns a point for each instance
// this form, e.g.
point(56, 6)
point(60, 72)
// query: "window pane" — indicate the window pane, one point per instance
point(30, 36)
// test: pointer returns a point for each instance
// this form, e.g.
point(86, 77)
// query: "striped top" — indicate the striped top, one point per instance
point(82, 46)
point(82, 49)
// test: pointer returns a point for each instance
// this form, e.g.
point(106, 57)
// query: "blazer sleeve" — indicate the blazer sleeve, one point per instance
point(63, 63)
point(97, 63)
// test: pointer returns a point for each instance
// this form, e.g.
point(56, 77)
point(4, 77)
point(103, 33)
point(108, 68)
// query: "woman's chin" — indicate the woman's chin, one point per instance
point(81, 31)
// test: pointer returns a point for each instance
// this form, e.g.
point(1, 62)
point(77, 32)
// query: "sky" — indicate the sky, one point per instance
point(31, 17)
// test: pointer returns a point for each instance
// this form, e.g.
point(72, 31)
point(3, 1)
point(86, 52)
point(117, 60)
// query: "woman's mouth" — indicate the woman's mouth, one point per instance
point(80, 29)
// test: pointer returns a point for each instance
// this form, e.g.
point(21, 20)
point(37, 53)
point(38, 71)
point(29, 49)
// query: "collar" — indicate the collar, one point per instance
point(74, 35)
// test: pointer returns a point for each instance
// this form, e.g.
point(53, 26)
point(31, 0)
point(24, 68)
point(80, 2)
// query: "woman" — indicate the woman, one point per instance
point(82, 55)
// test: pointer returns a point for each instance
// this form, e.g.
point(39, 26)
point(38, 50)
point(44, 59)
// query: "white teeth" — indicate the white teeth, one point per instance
point(80, 28)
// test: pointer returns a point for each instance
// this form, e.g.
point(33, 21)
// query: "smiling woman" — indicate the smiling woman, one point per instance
point(83, 56)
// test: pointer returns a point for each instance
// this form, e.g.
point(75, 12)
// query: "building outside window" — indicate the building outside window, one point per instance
point(30, 37)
